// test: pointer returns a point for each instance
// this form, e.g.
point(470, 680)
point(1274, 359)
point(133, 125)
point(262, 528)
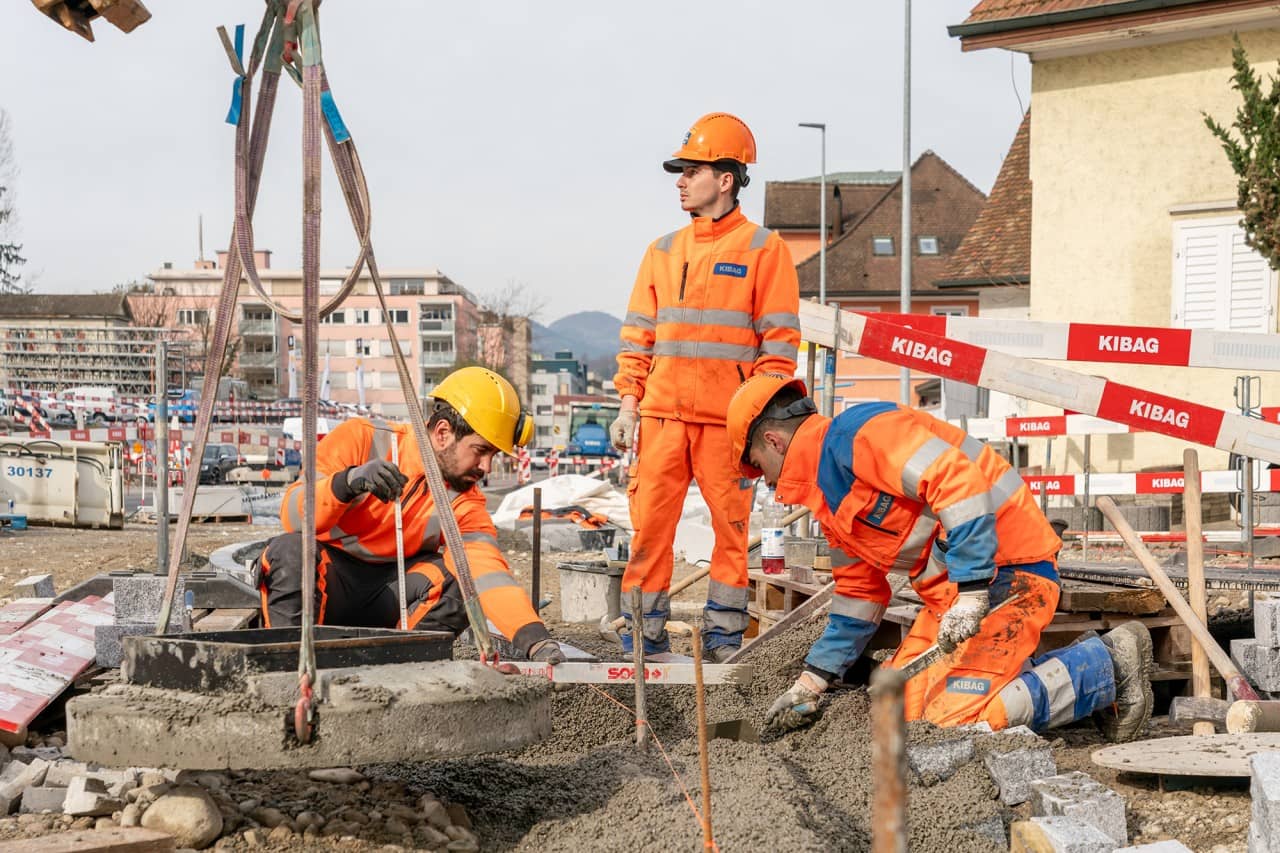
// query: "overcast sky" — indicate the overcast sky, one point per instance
point(504, 141)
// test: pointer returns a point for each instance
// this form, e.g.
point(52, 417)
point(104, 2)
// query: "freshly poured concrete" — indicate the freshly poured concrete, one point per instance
point(398, 712)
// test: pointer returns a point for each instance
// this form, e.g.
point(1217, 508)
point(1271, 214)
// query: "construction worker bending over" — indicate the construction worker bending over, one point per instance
point(473, 415)
point(713, 303)
point(896, 488)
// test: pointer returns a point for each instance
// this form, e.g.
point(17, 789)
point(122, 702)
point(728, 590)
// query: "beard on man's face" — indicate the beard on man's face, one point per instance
point(457, 478)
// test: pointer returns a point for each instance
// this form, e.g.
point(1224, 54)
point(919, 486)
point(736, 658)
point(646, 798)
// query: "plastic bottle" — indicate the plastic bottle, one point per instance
point(772, 549)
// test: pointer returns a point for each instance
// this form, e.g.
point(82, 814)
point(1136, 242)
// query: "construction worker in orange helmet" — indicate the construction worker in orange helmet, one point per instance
point(713, 303)
point(898, 489)
point(473, 415)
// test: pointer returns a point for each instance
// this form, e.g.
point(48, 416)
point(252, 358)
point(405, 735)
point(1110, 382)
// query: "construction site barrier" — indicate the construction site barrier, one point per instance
point(1148, 483)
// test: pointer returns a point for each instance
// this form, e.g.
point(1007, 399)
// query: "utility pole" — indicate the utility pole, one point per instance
point(161, 438)
point(828, 370)
point(904, 382)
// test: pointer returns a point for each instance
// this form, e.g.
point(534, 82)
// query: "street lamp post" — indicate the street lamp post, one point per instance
point(828, 370)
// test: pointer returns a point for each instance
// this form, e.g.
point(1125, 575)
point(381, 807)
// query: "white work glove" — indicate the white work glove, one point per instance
point(623, 429)
point(798, 705)
point(963, 619)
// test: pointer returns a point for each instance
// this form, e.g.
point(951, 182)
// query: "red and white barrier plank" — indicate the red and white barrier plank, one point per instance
point(1167, 483)
point(1043, 383)
point(1105, 343)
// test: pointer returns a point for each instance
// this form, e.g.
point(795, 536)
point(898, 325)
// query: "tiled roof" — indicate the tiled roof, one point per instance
point(794, 204)
point(997, 249)
point(64, 305)
point(1004, 10)
point(878, 176)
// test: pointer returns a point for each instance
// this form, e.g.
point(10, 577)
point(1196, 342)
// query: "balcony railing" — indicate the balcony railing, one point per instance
point(437, 359)
point(435, 327)
point(257, 328)
point(259, 359)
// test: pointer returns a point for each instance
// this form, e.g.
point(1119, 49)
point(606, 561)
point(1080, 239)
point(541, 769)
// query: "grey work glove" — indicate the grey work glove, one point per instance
point(546, 651)
point(963, 619)
point(379, 478)
point(623, 429)
point(797, 706)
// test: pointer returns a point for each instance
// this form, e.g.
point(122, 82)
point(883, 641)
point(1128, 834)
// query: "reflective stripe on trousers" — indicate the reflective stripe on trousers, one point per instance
point(1062, 686)
point(656, 607)
point(725, 616)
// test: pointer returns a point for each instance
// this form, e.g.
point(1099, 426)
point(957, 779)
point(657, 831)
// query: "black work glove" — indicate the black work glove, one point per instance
point(546, 651)
point(379, 478)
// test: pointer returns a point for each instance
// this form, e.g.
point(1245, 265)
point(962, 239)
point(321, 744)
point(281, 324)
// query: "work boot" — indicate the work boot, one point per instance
point(1130, 648)
point(720, 654)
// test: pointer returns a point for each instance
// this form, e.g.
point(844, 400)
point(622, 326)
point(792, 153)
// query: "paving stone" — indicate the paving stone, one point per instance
point(991, 827)
point(16, 777)
point(42, 799)
point(1014, 771)
point(1266, 622)
point(62, 772)
point(937, 762)
point(108, 640)
point(1058, 835)
point(138, 598)
point(1259, 662)
point(88, 796)
point(1157, 847)
point(1264, 788)
point(28, 754)
point(34, 586)
point(1257, 841)
point(1079, 795)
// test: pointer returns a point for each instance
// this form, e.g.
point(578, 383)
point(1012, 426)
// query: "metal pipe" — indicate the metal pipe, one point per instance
point(161, 439)
point(536, 581)
point(637, 658)
point(404, 601)
point(1084, 545)
point(704, 757)
point(904, 374)
point(888, 762)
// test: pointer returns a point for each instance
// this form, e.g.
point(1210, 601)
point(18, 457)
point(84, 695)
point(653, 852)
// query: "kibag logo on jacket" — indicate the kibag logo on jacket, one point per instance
point(735, 270)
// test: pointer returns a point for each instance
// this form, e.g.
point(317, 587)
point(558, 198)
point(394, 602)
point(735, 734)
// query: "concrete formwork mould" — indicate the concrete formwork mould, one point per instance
point(398, 712)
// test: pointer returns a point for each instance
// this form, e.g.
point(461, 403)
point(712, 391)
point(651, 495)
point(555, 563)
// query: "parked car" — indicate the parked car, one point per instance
point(218, 460)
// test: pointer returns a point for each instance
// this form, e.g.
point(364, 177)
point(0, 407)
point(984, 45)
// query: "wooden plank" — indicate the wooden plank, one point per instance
point(114, 840)
point(1085, 597)
point(799, 614)
point(227, 619)
point(1192, 755)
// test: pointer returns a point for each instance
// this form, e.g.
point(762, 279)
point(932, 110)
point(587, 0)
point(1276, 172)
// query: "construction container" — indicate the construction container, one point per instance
point(590, 590)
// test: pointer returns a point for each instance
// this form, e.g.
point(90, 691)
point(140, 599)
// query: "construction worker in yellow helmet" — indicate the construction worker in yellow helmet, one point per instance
point(714, 303)
point(472, 415)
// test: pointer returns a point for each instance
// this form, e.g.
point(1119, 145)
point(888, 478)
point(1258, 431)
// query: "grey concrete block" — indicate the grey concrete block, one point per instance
point(42, 799)
point(138, 599)
point(1014, 771)
point(1260, 663)
point(87, 796)
point(1264, 789)
point(27, 754)
point(62, 772)
point(1257, 841)
point(937, 762)
point(1158, 847)
point(1266, 622)
point(108, 640)
point(1071, 835)
point(1079, 795)
point(16, 777)
point(34, 586)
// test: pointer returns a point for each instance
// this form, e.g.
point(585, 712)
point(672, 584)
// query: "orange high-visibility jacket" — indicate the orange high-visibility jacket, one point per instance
point(884, 482)
point(714, 303)
point(366, 527)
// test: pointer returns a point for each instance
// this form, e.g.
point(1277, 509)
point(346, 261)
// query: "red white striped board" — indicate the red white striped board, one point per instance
point(1149, 483)
point(39, 661)
point(1102, 342)
point(146, 432)
point(1043, 383)
point(1046, 426)
point(20, 611)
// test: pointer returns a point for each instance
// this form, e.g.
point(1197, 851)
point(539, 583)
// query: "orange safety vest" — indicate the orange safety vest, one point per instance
point(714, 303)
point(366, 529)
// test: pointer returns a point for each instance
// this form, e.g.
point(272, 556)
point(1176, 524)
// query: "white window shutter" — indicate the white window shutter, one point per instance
point(1250, 305)
point(1218, 281)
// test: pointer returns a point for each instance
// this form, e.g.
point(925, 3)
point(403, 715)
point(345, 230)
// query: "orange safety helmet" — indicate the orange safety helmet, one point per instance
point(751, 402)
point(714, 137)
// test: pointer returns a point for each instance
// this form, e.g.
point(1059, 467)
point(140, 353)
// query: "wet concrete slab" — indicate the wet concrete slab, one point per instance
point(388, 713)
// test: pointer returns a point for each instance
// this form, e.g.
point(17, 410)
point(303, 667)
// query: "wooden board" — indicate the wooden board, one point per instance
point(1192, 755)
point(227, 619)
point(115, 840)
point(1084, 597)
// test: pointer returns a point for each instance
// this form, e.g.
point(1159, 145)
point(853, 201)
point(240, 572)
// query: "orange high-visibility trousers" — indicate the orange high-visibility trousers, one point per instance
point(670, 454)
point(964, 687)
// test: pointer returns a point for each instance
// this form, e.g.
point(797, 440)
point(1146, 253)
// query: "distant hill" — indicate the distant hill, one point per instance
point(591, 336)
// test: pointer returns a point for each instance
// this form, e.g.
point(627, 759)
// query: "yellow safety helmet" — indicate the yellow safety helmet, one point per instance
point(490, 406)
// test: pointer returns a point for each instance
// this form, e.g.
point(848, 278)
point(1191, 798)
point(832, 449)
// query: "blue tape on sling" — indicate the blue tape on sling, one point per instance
point(233, 114)
point(333, 117)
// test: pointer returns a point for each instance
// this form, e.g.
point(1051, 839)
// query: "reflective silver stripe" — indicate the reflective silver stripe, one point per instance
point(665, 241)
point(709, 316)
point(1019, 708)
point(857, 608)
point(971, 448)
point(380, 447)
point(656, 607)
point(966, 510)
point(1008, 484)
point(1056, 678)
point(628, 346)
point(728, 596)
point(921, 533)
point(294, 508)
point(696, 349)
point(919, 463)
point(782, 348)
point(495, 580)
point(725, 621)
point(777, 320)
point(640, 321)
point(932, 568)
point(480, 536)
point(430, 535)
point(758, 239)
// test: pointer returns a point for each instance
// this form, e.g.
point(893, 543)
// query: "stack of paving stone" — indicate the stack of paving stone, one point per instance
point(137, 601)
point(1264, 789)
point(1259, 658)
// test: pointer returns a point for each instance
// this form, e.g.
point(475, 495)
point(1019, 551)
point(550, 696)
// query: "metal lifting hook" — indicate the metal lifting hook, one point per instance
point(304, 713)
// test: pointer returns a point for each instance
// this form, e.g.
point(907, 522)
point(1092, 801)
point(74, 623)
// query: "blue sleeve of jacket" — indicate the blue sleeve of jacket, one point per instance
point(971, 550)
point(840, 645)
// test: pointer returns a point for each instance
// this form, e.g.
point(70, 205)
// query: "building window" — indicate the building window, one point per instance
point(192, 316)
point(335, 317)
point(882, 245)
point(399, 315)
point(257, 313)
point(431, 345)
point(928, 245)
point(949, 311)
point(543, 410)
point(538, 390)
point(363, 315)
point(362, 347)
point(1218, 281)
point(437, 312)
point(402, 286)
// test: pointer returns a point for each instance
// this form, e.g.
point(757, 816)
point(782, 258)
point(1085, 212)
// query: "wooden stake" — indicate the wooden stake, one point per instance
point(888, 762)
point(536, 571)
point(1192, 518)
point(704, 758)
point(637, 657)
